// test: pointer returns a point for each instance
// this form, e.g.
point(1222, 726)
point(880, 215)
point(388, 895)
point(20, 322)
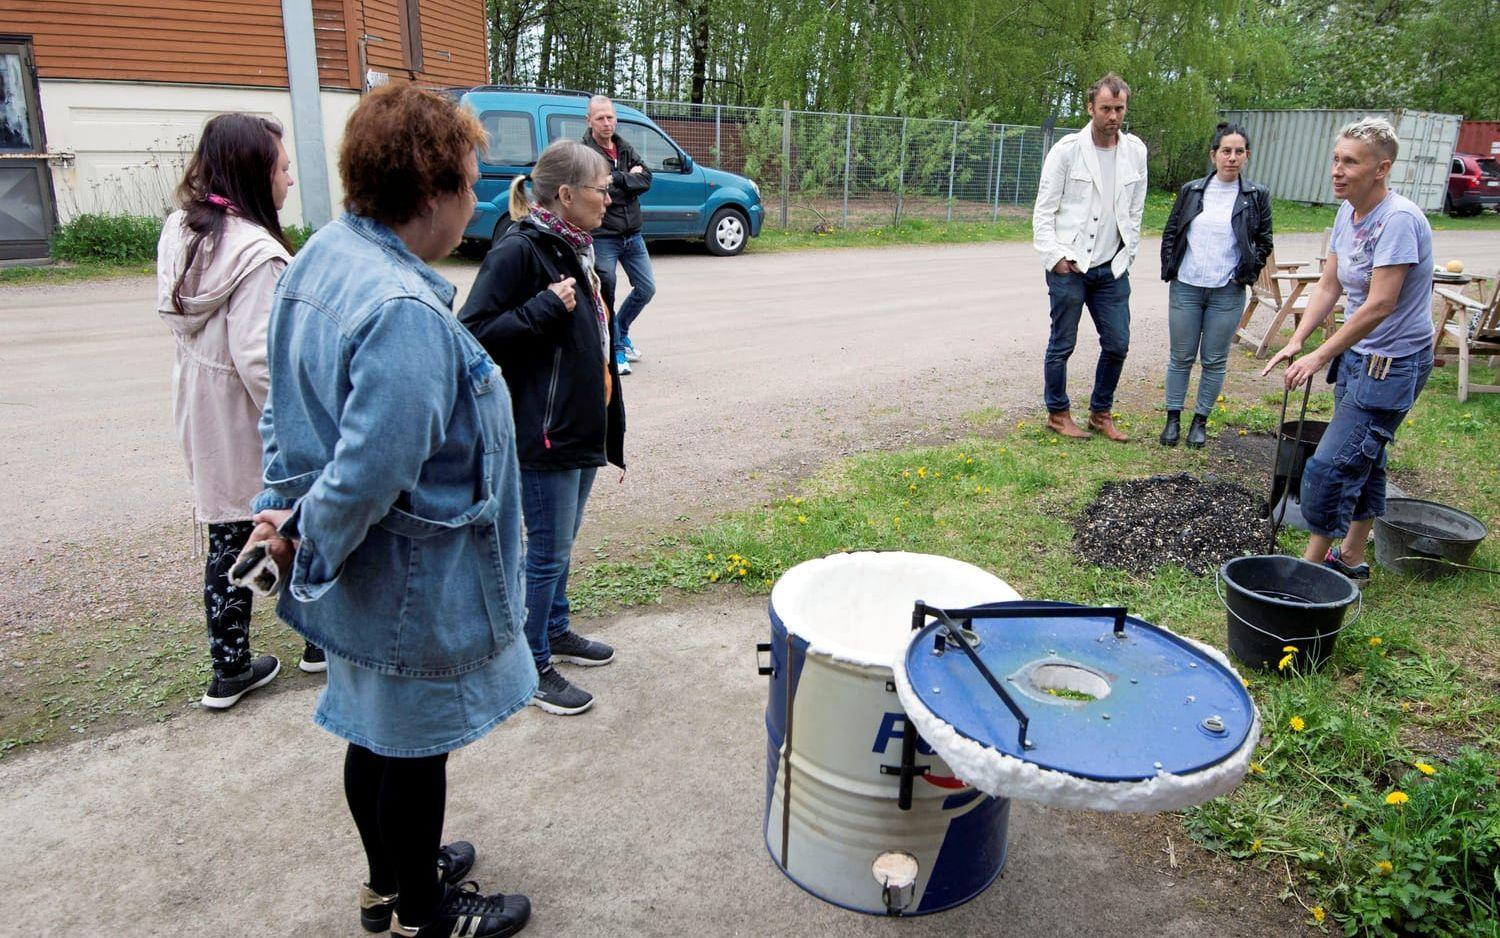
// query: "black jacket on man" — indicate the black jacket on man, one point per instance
point(623, 217)
point(553, 359)
point(1250, 222)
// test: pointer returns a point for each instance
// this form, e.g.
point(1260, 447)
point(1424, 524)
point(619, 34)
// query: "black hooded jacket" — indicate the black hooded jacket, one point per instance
point(623, 217)
point(553, 359)
point(1251, 224)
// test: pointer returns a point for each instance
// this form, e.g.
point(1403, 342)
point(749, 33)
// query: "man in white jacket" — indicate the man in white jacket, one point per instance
point(1087, 227)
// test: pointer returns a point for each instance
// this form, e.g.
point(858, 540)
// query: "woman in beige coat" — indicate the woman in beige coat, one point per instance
point(217, 264)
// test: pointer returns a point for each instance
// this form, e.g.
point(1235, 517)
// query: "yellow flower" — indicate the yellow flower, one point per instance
point(1243, 432)
point(1291, 652)
point(797, 500)
point(906, 473)
point(1021, 425)
point(1384, 868)
point(1245, 681)
point(1255, 847)
point(743, 571)
point(1397, 798)
point(912, 487)
point(1376, 640)
point(802, 519)
point(713, 577)
point(1318, 914)
point(1406, 706)
point(922, 471)
point(896, 520)
point(1297, 724)
point(1257, 769)
point(710, 557)
point(1424, 768)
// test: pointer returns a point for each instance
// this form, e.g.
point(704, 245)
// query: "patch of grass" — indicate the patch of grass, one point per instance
point(908, 231)
point(72, 273)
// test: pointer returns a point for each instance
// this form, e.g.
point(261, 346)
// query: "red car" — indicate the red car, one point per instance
point(1473, 184)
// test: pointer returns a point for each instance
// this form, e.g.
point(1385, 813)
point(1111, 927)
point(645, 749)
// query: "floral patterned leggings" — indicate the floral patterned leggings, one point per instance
point(227, 607)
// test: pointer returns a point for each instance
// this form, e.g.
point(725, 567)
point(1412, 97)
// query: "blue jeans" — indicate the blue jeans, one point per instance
point(1201, 321)
point(1108, 300)
point(1345, 478)
point(630, 251)
point(552, 500)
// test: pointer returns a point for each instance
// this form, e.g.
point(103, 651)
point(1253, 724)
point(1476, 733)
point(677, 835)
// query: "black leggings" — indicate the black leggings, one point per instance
point(227, 607)
point(398, 807)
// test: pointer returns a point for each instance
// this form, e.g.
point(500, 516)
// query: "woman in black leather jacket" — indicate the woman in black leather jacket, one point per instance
point(1217, 239)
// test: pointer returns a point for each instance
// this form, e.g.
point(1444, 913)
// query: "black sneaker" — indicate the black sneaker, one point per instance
point(575, 649)
point(1360, 574)
point(225, 692)
point(455, 860)
point(555, 695)
point(464, 911)
point(314, 659)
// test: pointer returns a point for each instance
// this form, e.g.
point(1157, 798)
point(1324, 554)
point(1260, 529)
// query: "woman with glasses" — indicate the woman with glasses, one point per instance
point(537, 306)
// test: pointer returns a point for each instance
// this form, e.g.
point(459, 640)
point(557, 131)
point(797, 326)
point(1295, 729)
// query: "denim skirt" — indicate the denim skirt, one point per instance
point(410, 717)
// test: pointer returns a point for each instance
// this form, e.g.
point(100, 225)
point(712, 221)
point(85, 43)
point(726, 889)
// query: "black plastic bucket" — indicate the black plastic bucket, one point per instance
point(1414, 530)
point(1276, 601)
point(1293, 450)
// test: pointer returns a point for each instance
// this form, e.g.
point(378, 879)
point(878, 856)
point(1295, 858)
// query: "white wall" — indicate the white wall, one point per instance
point(130, 140)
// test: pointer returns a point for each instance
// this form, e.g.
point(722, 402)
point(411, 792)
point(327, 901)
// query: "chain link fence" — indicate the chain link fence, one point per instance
point(854, 170)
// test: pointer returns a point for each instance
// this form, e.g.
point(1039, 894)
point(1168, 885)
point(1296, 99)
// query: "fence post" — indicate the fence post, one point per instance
point(718, 139)
point(952, 161)
point(786, 156)
point(997, 149)
point(901, 175)
point(1020, 165)
point(848, 152)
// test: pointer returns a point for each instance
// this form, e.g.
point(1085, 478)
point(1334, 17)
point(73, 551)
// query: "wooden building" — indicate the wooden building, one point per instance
point(123, 86)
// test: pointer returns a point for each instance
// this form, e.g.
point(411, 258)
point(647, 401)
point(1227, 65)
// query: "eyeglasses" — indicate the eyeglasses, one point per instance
point(602, 190)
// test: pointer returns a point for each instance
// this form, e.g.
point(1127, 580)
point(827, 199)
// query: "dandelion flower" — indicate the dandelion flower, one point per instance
point(710, 558)
point(1425, 768)
point(802, 519)
point(1385, 868)
point(1243, 431)
point(1397, 798)
point(1255, 846)
point(1297, 724)
point(1406, 706)
point(1245, 681)
point(906, 473)
point(1286, 659)
point(1318, 914)
point(713, 577)
point(1220, 399)
point(922, 471)
point(912, 487)
point(1021, 425)
point(1257, 769)
point(1376, 640)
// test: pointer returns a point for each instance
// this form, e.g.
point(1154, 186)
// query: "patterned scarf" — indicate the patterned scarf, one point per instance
point(583, 243)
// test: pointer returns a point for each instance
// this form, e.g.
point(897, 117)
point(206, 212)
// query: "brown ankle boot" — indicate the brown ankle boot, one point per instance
point(1103, 422)
point(1061, 422)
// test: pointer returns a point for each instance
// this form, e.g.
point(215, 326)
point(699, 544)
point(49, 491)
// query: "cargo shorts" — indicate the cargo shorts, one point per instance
point(1345, 479)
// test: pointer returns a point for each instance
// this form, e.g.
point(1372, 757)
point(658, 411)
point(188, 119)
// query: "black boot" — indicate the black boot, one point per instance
point(1198, 431)
point(1173, 430)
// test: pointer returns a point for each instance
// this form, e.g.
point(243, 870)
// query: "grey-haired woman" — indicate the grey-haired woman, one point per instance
point(538, 308)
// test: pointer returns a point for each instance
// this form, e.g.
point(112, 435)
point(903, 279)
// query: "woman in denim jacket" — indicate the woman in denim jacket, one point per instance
point(392, 497)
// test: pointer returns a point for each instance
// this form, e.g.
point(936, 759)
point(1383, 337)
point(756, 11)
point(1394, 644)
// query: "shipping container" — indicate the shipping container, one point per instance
point(1481, 137)
point(1292, 150)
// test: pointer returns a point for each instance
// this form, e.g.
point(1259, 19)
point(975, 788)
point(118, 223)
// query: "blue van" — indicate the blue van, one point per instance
point(685, 200)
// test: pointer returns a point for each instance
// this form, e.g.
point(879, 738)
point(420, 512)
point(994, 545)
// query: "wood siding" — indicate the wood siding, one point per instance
point(239, 42)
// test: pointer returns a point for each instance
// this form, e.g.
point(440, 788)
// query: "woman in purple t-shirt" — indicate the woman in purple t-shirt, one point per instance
point(1381, 256)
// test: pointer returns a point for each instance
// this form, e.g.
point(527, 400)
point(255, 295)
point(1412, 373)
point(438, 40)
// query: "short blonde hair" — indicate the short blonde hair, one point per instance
point(1375, 133)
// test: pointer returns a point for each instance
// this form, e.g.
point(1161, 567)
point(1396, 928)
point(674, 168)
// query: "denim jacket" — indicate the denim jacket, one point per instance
point(388, 431)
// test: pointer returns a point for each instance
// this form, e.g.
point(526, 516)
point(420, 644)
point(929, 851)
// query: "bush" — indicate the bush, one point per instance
point(120, 239)
point(128, 239)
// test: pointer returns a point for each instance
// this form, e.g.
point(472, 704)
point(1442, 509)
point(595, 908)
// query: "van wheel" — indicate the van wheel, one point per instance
point(727, 232)
point(501, 227)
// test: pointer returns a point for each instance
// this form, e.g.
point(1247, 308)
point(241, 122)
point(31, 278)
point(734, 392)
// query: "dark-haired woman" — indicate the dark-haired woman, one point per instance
point(217, 264)
point(393, 497)
point(1215, 243)
point(538, 307)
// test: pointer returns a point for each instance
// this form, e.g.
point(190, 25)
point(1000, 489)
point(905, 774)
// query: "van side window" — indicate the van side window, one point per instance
point(512, 138)
point(566, 127)
point(654, 148)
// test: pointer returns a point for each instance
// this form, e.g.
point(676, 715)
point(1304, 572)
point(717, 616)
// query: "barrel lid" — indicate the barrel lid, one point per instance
point(1106, 696)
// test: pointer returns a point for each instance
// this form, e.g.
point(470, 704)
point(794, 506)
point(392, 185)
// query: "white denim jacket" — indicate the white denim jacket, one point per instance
point(1065, 221)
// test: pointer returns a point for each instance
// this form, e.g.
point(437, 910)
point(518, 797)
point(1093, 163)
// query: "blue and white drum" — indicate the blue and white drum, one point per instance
point(834, 727)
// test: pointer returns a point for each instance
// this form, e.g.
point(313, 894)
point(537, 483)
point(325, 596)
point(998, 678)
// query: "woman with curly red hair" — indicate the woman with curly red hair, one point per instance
point(392, 499)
